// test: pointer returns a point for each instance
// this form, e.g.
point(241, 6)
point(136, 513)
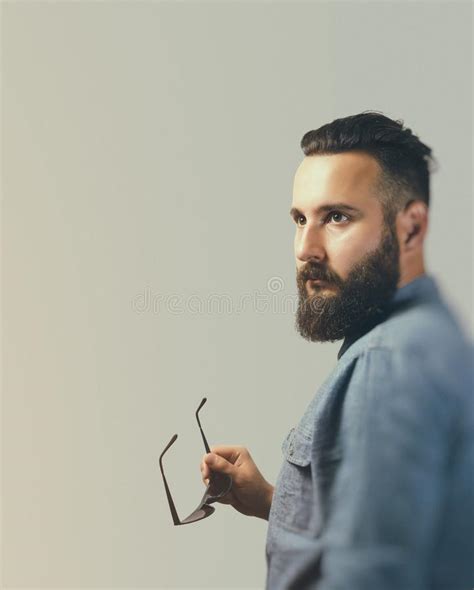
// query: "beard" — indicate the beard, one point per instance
point(357, 303)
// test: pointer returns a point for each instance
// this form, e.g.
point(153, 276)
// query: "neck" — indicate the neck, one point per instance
point(410, 274)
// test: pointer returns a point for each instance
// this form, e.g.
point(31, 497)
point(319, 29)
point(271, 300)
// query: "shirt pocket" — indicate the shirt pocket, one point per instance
point(294, 494)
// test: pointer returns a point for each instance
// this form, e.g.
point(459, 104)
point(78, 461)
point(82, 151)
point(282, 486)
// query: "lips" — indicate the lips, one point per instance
point(316, 281)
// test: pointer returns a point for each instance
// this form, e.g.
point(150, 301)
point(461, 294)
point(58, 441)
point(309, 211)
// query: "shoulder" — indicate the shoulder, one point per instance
point(425, 328)
point(426, 341)
point(395, 390)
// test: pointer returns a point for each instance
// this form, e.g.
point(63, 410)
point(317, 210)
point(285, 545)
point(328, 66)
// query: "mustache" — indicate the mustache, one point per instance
point(312, 273)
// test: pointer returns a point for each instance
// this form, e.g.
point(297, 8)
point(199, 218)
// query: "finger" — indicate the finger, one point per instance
point(230, 452)
point(217, 463)
point(205, 471)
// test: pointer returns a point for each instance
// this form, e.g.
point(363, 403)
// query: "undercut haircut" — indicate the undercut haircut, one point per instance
point(405, 162)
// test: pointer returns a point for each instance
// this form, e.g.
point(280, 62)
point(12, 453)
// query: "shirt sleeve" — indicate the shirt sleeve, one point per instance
point(386, 498)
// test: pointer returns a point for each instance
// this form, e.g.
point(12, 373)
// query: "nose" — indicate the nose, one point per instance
point(309, 245)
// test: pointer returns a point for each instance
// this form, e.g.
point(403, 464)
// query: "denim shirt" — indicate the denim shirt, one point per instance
point(376, 490)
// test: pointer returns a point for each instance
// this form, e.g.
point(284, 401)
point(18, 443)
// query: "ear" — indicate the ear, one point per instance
point(412, 225)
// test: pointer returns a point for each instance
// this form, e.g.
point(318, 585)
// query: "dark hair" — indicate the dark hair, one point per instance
point(405, 161)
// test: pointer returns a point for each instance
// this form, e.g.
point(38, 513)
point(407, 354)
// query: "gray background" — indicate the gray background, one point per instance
point(148, 154)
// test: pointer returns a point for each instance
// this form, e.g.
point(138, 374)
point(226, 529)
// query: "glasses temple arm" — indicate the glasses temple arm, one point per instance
point(204, 399)
point(174, 513)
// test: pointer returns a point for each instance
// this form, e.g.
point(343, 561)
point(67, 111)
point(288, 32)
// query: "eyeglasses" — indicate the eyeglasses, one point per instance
point(219, 485)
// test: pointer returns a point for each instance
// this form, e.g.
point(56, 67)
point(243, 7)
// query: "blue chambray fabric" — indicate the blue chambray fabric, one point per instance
point(376, 490)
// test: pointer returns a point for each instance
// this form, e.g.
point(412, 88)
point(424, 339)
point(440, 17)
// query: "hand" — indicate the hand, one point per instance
point(250, 494)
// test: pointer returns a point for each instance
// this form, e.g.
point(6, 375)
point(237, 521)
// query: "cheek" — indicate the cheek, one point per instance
point(349, 248)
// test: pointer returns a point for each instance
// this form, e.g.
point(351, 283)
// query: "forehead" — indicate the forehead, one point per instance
point(348, 177)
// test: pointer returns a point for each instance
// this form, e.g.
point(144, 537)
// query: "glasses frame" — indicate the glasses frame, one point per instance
point(219, 484)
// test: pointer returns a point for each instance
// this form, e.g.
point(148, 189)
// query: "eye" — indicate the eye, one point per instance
point(336, 215)
point(299, 220)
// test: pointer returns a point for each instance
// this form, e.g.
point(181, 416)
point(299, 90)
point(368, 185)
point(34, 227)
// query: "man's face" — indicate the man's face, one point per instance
point(341, 240)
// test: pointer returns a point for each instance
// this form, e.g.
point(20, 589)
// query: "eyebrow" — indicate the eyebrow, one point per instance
point(327, 208)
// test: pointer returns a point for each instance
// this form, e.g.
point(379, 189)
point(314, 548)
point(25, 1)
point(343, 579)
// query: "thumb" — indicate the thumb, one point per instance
point(217, 463)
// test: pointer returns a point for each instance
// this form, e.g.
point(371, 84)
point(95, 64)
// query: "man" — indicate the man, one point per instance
point(376, 489)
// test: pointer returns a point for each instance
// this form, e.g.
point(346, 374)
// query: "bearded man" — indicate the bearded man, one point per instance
point(376, 488)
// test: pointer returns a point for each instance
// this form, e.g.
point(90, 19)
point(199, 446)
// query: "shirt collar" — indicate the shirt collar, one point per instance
point(422, 287)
